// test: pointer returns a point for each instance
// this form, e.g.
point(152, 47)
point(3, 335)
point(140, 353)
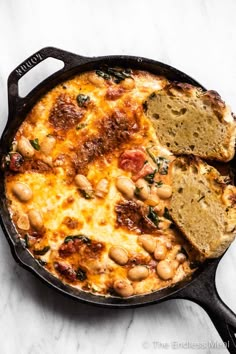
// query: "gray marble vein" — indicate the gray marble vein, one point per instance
point(196, 36)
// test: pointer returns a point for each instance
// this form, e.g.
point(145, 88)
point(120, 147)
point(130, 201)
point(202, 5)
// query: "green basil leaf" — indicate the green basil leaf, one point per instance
point(42, 252)
point(86, 194)
point(35, 144)
point(83, 100)
point(83, 238)
point(158, 184)
point(167, 214)
point(153, 216)
point(81, 274)
point(150, 178)
point(104, 75)
point(81, 126)
point(137, 191)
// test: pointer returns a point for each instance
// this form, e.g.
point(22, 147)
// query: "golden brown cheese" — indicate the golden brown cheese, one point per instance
point(88, 187)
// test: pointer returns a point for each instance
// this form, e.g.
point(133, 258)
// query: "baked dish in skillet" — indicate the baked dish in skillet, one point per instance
point(97, 193)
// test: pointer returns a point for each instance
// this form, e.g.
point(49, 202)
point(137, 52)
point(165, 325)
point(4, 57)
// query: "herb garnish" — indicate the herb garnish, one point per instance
point(158, 184)
point(162, 164)
point(81, 274)
point(35, 144)
point(153, 216)
point(42, 252)
point(150, 177)
point(83, 238)
point(137, 191)
point(87, 194)
point(117, 74)
point(81, 126)
point(104, 75)
point(83, 100)
point(167, 214)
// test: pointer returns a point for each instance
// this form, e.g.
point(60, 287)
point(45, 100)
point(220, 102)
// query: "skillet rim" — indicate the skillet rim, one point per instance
point(16, 116)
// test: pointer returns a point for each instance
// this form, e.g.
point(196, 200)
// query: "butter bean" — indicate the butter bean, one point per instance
point(25, 148)
point(160, 252)
point(128, 83)
point(83, 183)
point(143, 189)
point(147, 242)
point(125, 186)
point(164, 270)
point(138, 273)
point(47, 144)
point(22, 191)
point(23, 222)
point(35, 218)
point(118, 255)
point(164, 191)
point(123, 288)
point(180, 257)
point(96, 79)
point(102, 188)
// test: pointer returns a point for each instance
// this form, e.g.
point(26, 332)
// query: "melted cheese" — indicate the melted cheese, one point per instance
point(57, 197)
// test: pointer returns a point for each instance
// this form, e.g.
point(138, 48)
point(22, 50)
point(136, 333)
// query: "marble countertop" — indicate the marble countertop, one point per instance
point(197, 37)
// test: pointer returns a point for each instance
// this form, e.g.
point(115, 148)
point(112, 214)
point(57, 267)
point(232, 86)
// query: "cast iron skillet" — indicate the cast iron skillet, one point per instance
point(200, 288)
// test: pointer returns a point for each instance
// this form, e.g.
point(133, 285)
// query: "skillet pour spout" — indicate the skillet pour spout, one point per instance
point(200, 288)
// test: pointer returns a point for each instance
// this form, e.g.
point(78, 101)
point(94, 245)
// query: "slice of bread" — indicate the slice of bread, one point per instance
point(190, 121)
point(203, 205)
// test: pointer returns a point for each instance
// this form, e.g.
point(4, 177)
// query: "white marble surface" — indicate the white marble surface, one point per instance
point(197, 37)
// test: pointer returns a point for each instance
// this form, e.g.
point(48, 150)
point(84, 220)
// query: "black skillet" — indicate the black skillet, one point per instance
point(200, 288)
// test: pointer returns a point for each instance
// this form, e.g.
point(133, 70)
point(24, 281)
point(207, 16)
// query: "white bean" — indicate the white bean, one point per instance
point(148, 243)
point(143, 189)
point(138, 273)
point(22, 191)
point(118, 255)
point(96, 79)
point(123, 288)
point(23, 222)
point(180, 257)
point(25, 148)
point(128, 83)
point(82, 182)
point(164, 191)
point(160, 252)
point(125, 186)
point(35, 218)
point(160, 208)
point(165, 270)
point(164, 224)
point(102, 188)
point(47, 144)
point(174, 264)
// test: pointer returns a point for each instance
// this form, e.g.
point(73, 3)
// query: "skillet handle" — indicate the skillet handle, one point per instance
point(70, 60)
point(203, 292)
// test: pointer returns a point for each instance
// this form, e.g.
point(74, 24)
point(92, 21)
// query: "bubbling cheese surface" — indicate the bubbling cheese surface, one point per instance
point(86, 126)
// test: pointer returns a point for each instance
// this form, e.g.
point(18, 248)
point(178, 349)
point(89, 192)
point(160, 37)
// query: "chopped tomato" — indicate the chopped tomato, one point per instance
point(146, 170)
point(132, 160)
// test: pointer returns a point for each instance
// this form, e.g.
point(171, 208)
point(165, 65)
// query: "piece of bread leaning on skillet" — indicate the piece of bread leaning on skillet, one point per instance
point(190, 121)
point(203, 205)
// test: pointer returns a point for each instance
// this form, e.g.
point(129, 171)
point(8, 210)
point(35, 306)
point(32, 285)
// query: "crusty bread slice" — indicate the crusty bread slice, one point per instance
point(203, 205)
point(190, 121)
